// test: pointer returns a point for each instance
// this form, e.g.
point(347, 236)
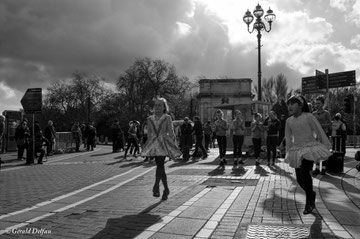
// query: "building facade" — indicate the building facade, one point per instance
point(230, 95)
point(223, 94)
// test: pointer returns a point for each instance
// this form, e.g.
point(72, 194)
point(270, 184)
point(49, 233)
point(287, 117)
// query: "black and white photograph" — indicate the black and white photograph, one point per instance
point(180, 119)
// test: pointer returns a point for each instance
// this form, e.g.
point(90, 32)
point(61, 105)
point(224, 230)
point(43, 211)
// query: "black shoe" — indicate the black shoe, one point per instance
point(309, 209)
point(323, 171)
point(316, 172)
point(156, 191)
point(204, 157)
point(165, 194)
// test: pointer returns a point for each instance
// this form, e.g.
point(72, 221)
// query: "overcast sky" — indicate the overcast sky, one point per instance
point(43, 41)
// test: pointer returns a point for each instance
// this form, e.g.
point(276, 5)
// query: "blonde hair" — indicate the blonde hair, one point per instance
point(218, 110)
point(166, 106)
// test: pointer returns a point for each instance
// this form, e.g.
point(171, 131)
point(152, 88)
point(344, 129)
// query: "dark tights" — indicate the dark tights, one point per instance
point(304, 179)
point(160, 172)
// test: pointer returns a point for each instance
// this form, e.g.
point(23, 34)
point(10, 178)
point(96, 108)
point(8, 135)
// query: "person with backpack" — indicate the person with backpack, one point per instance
point(339, 131)
point(40, 140)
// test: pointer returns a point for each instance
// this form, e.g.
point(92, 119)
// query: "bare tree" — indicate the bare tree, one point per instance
point(268, 90)
point(78, 98)
point(281, 87)
point(148, 78)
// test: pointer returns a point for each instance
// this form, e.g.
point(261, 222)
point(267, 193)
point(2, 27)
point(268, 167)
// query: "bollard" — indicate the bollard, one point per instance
point(106, 140)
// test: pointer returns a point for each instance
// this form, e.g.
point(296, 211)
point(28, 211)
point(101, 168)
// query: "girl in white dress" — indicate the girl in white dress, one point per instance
point(161, 143)
point(306, 144)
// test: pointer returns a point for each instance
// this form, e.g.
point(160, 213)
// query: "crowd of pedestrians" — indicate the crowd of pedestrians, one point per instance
point(85, 134)
point(306, 136)
point(32, 140)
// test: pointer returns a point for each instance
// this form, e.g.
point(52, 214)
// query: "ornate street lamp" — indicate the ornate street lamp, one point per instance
point(259, 26)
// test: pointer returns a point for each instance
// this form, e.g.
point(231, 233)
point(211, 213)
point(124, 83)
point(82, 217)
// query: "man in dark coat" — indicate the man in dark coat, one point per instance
point(22, 134)
point(117, 136)
point(199, 135)
point(186, 138)
point(50, 135)
point(90, 135)
point(40, 140)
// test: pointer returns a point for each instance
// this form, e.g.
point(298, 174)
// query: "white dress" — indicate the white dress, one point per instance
point(161, 138)
point(305, 139)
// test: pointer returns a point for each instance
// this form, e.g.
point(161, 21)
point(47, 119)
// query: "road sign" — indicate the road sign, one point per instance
point(342, 79)
point(32, 101)
point(315, 84)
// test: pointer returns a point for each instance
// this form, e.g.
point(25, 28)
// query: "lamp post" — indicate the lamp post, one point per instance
point(259, 25)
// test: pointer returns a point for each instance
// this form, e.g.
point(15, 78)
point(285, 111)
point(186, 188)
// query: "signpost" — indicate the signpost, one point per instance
point(32, 104)
point(342, 79)
point(32, 101)
point(321, 80)
point(313, 84)
point(318, 83)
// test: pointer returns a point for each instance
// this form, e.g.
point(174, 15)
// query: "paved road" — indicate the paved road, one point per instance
point(99, 195)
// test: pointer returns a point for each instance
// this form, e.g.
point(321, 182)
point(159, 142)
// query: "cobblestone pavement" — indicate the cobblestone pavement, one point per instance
point(99, 195)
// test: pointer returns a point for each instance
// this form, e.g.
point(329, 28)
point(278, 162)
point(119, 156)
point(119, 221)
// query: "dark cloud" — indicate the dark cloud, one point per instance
point(42, 41)
point(63, 36)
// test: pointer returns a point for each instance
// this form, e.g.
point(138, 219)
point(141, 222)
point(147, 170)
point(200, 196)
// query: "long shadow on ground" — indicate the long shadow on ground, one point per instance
point(129, 226)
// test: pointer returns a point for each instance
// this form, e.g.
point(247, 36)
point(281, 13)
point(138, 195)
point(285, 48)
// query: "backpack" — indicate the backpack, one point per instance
point(342, 132)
